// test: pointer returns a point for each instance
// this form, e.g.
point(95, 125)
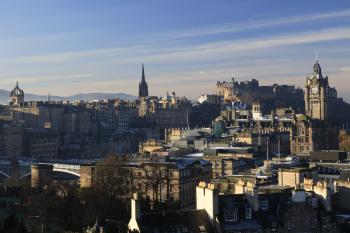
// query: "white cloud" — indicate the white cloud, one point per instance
point(211, 50)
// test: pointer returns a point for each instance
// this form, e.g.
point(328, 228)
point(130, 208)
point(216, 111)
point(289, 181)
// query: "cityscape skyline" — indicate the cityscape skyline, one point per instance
point(165, 116)
point(66, 48)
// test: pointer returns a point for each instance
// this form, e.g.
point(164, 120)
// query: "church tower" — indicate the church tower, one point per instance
point(317, 94)
point(143, 87)
point(17, 96)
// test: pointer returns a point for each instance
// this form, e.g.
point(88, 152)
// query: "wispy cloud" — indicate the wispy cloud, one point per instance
point(213, 50)
point(229, 28)
point(132, 54)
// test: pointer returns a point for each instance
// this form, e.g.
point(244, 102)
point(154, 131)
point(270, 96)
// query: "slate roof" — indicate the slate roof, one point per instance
point(237, 201)
point(184, 221)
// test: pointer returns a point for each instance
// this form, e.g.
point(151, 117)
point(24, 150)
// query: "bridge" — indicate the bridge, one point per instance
point(22, 169)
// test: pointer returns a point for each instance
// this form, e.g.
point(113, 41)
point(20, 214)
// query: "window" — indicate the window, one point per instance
point(230, 215)
point(248, 213)
point(312, 223)
point(290, 223)
point(273, 226)
point(264, 204)
point(202, 228)
point(325, 221)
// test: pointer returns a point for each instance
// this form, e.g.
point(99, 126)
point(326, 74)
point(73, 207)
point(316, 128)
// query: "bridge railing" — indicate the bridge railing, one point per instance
point(66, 166)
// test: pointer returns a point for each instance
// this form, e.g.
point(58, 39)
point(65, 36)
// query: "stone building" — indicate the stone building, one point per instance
point(11, 139)
point(315, 130)
point(294, 177)
point(40, 144)
point(170, 181)
point(318, 94)
point(227, 162)
point(39, 114)
point(226, 91)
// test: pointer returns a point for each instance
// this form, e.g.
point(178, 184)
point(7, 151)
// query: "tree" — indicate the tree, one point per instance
point(12, 225)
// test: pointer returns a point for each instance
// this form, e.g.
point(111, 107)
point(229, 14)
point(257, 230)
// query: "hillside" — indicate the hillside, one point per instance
point(5, 96)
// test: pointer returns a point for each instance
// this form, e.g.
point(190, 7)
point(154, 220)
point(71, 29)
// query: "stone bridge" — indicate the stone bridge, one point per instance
point(23, 169)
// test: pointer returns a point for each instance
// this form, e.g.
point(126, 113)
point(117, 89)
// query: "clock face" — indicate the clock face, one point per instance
point(314, 90)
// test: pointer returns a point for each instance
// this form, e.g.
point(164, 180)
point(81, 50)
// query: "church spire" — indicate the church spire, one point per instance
point(143, 74)
point(316, 57)
point(143, 87)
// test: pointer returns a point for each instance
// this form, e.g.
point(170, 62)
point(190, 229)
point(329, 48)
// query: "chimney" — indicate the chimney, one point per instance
point(324, 194)
point(207, 198)
point(135, 214)
point(135, 207)
point(252, 195)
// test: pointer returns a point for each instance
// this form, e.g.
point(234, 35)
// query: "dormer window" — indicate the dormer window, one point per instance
point(264, 204)
point(231, 215)
point(274, 226)
point(290, 223)
point(248, 213)
point(312, 222)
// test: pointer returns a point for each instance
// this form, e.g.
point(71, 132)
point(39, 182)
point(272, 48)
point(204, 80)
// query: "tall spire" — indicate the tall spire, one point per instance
point(316, 57)
point(143, 74)
point(143, 87)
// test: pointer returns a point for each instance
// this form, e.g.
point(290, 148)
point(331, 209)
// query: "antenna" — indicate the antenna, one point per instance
point(316, 56)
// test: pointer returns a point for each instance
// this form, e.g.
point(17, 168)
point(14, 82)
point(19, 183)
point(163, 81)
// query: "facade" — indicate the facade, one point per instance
point(210, 99)
point(228, 164)
point(171, 182)
point(309, 135)
point(11, 139)
point(226, 91)
point(40, 144)
point(294, 177)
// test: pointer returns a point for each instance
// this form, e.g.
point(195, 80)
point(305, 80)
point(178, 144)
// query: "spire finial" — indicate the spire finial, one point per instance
point(316, 56)
point(143, 73)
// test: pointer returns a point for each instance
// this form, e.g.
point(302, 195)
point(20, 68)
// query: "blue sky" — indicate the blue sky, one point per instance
point(78, 46)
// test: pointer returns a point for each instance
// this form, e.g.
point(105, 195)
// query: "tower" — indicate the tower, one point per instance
point(17, 96)
point(317, 94)
point(257, 111)
point(143, 87)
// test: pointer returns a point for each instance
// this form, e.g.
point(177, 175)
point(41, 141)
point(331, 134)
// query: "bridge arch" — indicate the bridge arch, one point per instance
point(4, 174)
point(54, 169)
point(25, 175)
point(66, 171)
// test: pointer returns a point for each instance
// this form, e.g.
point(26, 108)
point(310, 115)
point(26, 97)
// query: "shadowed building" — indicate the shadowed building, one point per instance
point(315, 130)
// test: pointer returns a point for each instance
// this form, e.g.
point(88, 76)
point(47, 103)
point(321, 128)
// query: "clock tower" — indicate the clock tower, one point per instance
point(316, 94)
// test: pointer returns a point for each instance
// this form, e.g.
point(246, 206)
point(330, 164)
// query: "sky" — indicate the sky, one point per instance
point(67, 47)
